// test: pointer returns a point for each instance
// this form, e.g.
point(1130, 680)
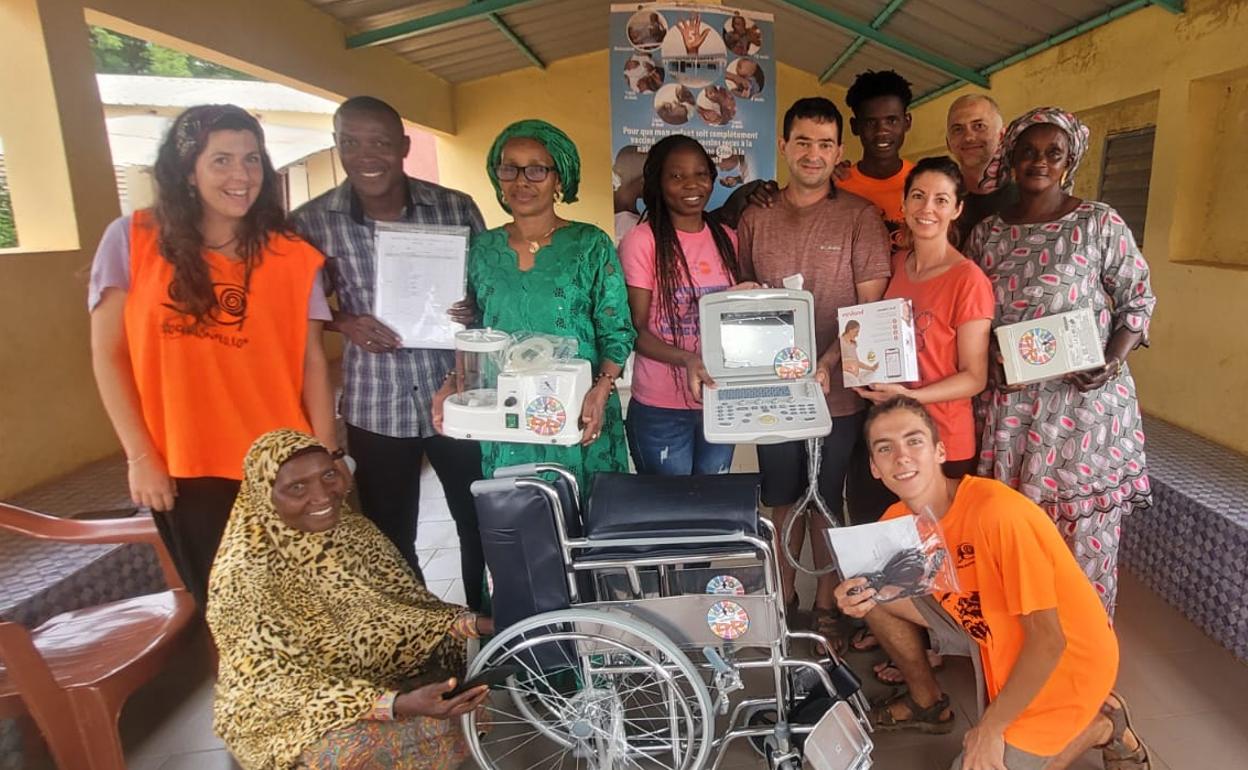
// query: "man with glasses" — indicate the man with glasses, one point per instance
point(388, 389)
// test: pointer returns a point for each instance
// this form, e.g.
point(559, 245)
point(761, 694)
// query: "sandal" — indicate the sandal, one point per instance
point(1114, 752)
point(863, 640)
point(888, 665)
point(825, 623)
point(924, 720)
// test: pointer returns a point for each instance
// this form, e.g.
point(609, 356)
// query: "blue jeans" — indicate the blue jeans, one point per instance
point(670, 442)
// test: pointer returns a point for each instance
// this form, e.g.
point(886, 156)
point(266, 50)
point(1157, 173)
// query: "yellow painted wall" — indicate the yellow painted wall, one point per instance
point(574, 94)
point(51, 419)
point(1196, 371)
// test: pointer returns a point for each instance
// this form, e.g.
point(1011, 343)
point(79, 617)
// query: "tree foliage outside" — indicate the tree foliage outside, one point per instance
point(118, 54)
point(8, 230)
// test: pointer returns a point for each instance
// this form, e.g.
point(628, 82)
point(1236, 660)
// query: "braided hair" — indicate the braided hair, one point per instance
point(670, 267)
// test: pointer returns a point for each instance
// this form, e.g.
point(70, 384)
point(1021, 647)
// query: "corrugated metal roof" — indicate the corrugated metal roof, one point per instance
point(970, 33)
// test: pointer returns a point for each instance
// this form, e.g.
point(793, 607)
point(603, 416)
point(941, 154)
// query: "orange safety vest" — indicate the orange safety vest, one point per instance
point(208, 392)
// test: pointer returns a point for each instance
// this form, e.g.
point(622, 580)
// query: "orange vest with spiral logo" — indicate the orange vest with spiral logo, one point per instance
point(208, 390)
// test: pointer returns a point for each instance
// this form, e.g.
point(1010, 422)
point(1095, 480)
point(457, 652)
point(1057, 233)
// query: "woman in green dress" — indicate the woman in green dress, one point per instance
point(541, 273)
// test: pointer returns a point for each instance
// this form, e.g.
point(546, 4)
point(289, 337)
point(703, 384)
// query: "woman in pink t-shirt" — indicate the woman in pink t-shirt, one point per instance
point(953, 309)
point(674, 256)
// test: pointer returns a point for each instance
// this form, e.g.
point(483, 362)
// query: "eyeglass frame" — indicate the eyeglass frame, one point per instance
point(546, 170)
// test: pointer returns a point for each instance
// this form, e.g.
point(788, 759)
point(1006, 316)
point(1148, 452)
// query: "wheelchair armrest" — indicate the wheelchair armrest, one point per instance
point(511, 471)
point(490, 486)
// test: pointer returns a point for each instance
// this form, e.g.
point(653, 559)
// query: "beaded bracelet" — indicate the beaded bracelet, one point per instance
point(605, 376)
point(465, 626)
point(383, 707)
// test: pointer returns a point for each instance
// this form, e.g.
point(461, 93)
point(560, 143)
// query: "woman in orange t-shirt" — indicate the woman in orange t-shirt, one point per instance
point(206, 315)
point(953, 310)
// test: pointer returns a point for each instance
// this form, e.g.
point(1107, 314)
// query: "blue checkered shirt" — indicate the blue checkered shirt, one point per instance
point(385, 393)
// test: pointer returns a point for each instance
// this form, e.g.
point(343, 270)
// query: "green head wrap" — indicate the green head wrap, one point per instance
point(562, 151)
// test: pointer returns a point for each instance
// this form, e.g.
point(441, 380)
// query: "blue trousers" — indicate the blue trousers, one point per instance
point(670, 442)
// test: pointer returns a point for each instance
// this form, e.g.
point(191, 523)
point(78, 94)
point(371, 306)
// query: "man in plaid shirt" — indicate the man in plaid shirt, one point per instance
point(387, 389)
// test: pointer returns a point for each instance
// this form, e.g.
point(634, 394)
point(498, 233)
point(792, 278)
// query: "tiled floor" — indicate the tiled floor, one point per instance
point(1189, 697)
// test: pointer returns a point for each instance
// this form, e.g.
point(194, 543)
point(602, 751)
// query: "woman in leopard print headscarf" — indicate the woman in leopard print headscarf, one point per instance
point(322, 627)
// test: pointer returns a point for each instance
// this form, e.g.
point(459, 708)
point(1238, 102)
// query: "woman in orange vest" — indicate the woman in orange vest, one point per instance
point(206, 314)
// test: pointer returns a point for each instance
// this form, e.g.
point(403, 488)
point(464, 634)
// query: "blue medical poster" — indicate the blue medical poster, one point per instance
point(706, 71)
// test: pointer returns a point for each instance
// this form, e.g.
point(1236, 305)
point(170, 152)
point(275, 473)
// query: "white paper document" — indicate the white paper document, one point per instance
point(866, 548)
point(420, 274)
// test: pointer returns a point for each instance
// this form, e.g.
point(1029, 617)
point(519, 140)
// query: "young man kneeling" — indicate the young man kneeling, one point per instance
point(1049, 656)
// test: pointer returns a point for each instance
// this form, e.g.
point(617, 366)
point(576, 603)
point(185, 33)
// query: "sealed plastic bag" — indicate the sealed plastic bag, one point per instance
point(901, 557)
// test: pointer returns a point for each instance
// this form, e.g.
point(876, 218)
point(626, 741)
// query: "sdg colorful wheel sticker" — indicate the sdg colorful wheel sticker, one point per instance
point(1037, 346)
point(725, 584)
point(791, 363)
point(545, 416)
point(728, 620)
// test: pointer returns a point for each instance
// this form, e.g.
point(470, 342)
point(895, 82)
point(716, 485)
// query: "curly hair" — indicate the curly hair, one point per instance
point(871, 84)
point(671, 269)
point(179, 211)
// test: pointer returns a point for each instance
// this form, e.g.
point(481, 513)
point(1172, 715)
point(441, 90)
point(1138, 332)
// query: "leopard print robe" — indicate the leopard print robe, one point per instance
point(312, 628)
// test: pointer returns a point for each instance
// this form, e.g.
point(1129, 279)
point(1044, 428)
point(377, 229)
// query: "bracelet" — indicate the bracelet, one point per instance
point(135, 460)
point(465, 626)
point(606, 376)
point(451, 375)
point(383, 707)
point(1117, 367)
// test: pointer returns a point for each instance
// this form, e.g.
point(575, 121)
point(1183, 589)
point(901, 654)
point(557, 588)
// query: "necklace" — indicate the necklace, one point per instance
point(537, 244)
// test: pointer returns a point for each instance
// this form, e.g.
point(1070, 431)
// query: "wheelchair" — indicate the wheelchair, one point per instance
point(627, 631)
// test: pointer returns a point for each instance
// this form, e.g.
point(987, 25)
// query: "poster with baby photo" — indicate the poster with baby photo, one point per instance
point(704, 71)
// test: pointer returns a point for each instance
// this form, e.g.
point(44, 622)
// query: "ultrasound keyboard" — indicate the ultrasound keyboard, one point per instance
point(751, 413)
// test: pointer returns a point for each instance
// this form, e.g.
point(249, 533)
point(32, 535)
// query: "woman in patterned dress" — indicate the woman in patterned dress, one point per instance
point(541, 273)
point(332, 653)
point(1074, 445)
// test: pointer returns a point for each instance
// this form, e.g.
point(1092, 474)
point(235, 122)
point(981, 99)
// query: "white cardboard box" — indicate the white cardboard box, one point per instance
point(1050, 346)
point(882, 335)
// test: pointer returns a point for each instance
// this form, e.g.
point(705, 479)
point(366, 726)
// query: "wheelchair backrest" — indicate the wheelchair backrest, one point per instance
point(522, 548)
point(564, 483)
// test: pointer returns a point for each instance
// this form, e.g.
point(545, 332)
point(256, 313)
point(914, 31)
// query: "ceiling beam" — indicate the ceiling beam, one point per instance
point(860, 41)
point(823, 13)
point(516, 40)
point(469, 12)
point(1044, 45)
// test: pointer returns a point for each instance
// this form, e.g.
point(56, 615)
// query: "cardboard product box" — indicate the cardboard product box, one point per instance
point(877, 343)
point(1051, 346)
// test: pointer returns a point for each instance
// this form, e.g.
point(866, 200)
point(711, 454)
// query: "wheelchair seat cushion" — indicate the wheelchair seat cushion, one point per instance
point(625, 506)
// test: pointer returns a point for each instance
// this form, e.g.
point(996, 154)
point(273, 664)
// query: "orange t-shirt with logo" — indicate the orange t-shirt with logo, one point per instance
point(942, 304)
point(886, 194)
point(1012, 561)
point(207, 393)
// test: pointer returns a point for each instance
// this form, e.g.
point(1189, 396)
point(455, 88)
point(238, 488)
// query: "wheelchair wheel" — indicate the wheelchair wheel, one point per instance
point(594, 690)
point(758, 717)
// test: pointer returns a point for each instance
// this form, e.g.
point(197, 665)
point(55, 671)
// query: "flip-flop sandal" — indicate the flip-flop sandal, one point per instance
point(824, 622)
point(923, 720)
point(877, 671)
point(889, 665)
point(1114, 752)
point(863, 640)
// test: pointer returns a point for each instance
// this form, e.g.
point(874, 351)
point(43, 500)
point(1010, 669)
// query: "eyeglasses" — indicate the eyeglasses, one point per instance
point(507, 172)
